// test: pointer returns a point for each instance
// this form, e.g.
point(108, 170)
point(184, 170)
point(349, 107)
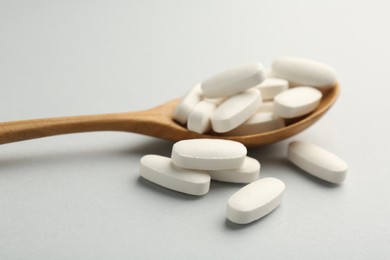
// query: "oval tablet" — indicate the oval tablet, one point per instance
point(317, 161)
point(267, 106)
point(199, 119)
point(297, 102)
point(162, 171)
point(187, 104)
point(248, 172)
point(208, 154)
point(233, 81)
point(235, 110)
point(300, 71)
point(259, 123)
point(255, 200)
point(270, 87)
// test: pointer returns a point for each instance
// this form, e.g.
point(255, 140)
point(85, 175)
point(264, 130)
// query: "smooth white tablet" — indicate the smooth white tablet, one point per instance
point(187, 104)
point(199, 119)
point(233, 81)
point(267, 106)
point(216, 101)
point(270, 87)
point(235, 110)
point(255, 200)
point(163, 172)
point(297, 101)
point(301, 71)
point(317, 161)
point(259, 123)
point(208, 154)
point(248, 172)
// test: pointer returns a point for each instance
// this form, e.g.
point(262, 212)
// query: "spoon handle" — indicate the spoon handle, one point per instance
point(37, 128)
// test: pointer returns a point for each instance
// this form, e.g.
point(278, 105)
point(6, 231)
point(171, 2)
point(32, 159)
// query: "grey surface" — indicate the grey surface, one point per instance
point(80, 196)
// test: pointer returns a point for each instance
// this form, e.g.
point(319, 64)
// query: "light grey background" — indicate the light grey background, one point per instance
point(80, 196)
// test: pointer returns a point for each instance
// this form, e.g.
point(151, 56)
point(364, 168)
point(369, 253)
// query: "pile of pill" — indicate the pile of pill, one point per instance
point(250, 99)
point(195, 162)
point(241, 101)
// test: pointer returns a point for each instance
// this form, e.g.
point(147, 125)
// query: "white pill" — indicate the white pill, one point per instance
point(255, 200)
point(199, 119)
point(208, 154)
point(187, 104)
point(270, 87)
point(267, 106)
point(235, 110)
point(301, 71)
point(248, 172)
point(216, 101)
point(258, 123)
point(233, 81)
point(317, 161)
point(297, 101)
point(163, 172)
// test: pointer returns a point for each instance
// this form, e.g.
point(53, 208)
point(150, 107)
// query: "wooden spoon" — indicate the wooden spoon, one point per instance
point(155, 122)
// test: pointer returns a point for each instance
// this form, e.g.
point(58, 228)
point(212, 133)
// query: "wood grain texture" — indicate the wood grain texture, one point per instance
point(156, 122)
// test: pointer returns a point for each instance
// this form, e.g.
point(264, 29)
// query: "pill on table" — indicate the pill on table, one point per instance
point(233, 81)
point(270, 87)
point(297, 101)
point(161, 171)
point(317, 161)
point(235, 110)
point(255, 200)
point(208, 154)
point(301, 71)
point(199, 119)
point(248, 172)
point(258, 123)
point(267, 106)
point(187, 104)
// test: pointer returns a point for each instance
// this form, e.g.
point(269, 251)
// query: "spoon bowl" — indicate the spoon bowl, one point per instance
point(157, 122)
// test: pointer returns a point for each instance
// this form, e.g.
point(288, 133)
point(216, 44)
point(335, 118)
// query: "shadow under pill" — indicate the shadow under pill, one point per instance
point(311, 178)
point(164, 191)
point(219, 185)
point(233, 226)
point(273, 160)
